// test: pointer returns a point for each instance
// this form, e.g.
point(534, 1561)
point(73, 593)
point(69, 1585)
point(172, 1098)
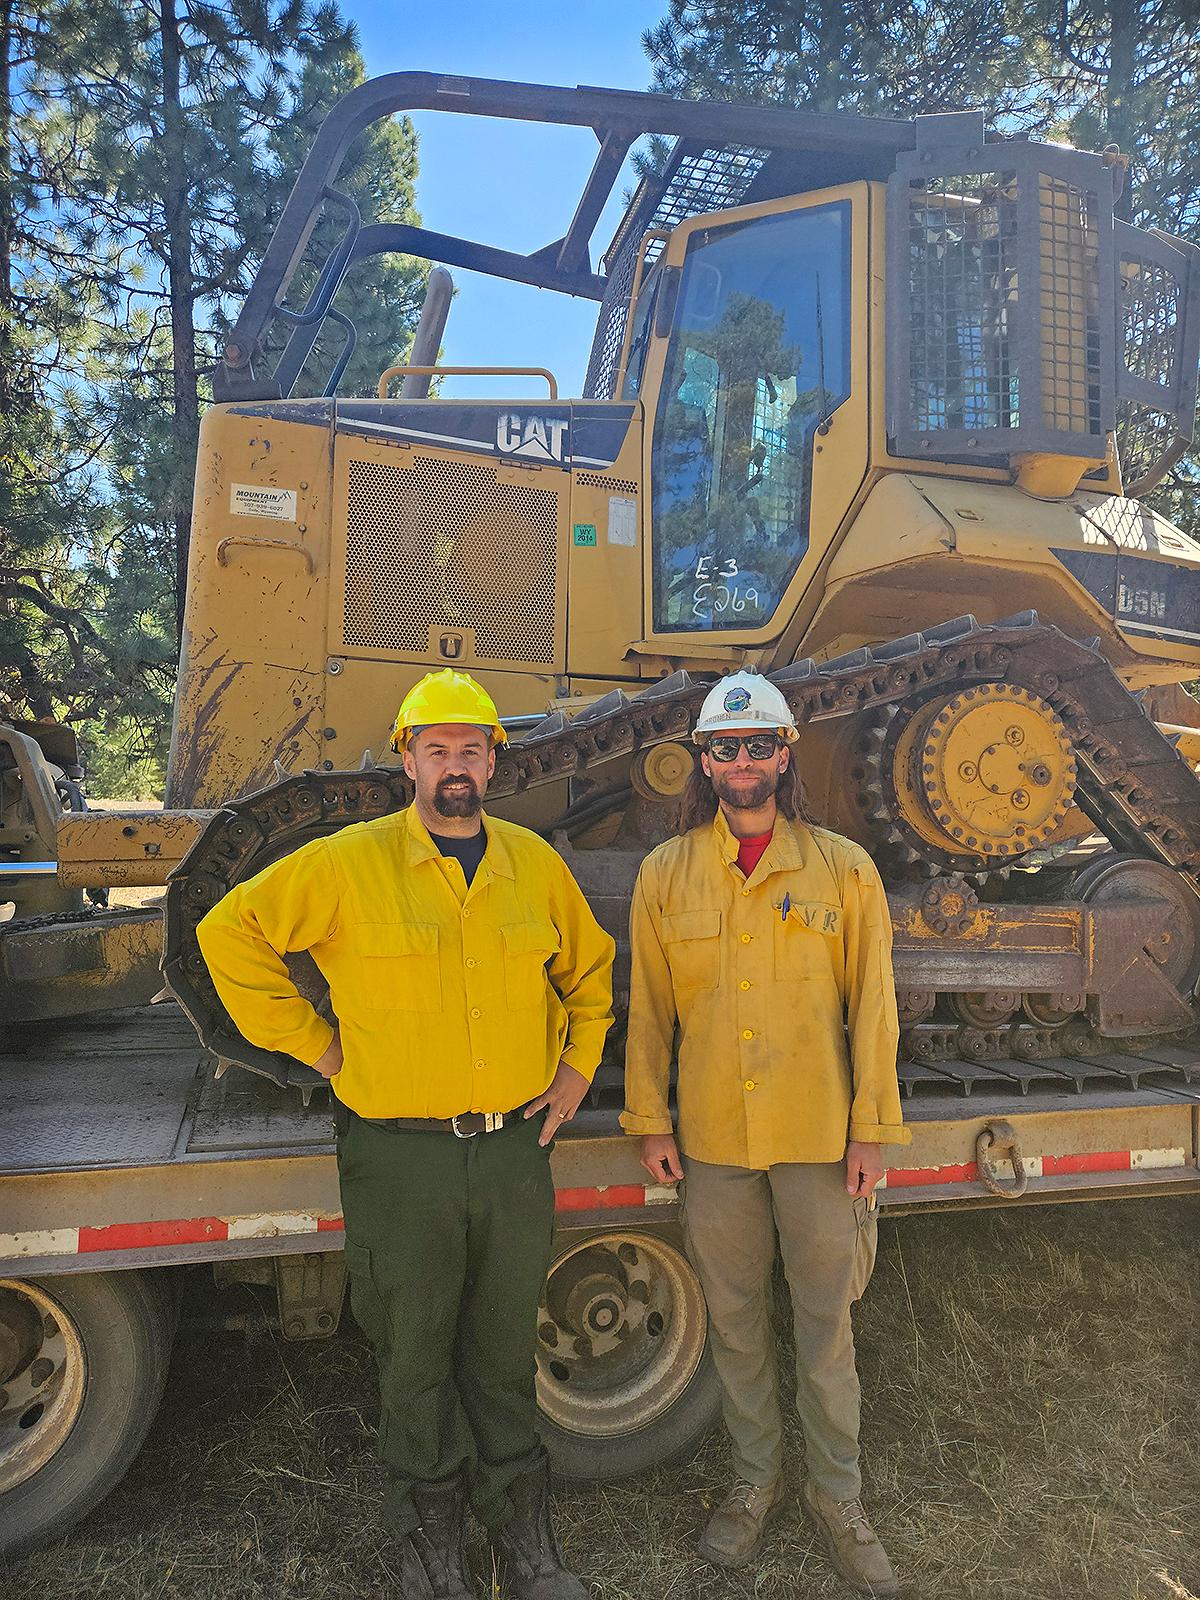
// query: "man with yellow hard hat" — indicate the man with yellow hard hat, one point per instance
point(472, 991)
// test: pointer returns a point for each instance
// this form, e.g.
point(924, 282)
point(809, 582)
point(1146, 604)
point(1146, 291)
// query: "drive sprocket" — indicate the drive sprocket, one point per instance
point(967, 781)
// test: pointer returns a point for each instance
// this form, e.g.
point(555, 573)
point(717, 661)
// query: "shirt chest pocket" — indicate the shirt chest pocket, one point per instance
point(805, 939)
point(693, 945)
point(528, 946)
point(398, 966)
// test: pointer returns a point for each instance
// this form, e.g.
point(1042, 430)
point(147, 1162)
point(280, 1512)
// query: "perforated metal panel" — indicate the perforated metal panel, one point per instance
point(599, 480)
point(443, 544)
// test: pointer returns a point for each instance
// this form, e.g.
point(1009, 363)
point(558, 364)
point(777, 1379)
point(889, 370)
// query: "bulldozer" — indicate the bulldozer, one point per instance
point(873, 408)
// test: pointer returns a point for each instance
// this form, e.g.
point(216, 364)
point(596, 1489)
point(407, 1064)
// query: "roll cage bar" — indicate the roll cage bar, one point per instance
point(818, 147)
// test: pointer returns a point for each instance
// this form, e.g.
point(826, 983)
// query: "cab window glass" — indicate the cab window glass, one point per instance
point(639, 339)
point(758, 358)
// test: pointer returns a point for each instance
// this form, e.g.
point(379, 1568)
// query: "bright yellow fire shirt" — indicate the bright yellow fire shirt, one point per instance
point(764, 977)
point(449, 999)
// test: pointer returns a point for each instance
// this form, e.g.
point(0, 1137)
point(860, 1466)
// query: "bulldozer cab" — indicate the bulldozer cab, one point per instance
point(796, 302)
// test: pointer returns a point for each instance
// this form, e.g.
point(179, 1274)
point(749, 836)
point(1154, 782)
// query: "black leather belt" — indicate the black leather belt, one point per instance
point(465, 1126)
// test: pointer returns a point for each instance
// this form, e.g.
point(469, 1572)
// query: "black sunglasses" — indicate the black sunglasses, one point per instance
point(759, 746)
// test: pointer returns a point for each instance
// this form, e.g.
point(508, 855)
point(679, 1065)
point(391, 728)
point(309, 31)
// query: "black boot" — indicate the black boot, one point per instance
point(439, 1539)
point(531, 1567)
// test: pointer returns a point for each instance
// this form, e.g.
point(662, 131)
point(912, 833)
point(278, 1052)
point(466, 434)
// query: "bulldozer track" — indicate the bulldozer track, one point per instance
point(1131, 782)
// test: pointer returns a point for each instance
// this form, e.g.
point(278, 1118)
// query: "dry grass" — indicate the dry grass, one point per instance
point(1032, 1427)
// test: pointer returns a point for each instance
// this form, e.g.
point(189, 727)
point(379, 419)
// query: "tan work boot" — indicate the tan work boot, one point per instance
point(850, 1541)
point(736, 1529)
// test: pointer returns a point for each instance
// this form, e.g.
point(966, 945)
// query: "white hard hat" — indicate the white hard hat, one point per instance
point(745, 700)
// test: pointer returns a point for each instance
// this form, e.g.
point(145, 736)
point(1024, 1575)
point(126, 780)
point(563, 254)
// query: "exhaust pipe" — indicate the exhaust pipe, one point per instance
point(428, 338)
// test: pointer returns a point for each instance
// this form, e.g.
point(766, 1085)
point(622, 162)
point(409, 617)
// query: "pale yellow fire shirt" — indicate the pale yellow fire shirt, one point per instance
point(449, 999)
point(764, 976)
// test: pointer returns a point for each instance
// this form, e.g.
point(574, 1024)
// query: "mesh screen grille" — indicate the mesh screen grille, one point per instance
point(442, 544)
point(1143, 437)
point(695, 181)
point(1001, 304)
point(1070, 321)
point(1150, 315)
point(963, 285)
point(1159, 316)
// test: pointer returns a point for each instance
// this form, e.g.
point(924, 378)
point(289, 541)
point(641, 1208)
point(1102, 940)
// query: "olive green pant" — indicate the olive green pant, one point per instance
point(732, 1216)
point(447, 1245)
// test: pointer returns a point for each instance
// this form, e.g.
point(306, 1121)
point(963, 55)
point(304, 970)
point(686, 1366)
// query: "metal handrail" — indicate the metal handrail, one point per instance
point(617, 117)
point(468, 372)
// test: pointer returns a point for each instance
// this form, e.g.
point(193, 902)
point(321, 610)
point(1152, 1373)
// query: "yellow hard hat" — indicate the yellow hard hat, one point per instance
point(446, 696)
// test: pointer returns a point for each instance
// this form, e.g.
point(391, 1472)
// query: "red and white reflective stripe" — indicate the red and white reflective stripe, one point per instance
point(177, 1231)
point(1039, 1167)
point(162, 1235)
point(615, 1196)
point(270, 1225)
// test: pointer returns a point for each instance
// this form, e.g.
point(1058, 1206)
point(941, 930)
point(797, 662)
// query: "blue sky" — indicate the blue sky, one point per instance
point(510, 184)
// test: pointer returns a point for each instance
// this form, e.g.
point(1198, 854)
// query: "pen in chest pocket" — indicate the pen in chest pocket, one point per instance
point(785, 908)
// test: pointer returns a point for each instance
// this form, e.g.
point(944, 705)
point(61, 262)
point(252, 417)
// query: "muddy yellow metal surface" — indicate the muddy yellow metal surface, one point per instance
point(124, 849)
point(921, 547)
point(78, 966)
point(252, 665)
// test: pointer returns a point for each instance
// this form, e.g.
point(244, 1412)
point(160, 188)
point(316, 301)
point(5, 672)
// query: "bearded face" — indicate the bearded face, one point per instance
point(450, 766)
point(744, 783)
point(743, 791)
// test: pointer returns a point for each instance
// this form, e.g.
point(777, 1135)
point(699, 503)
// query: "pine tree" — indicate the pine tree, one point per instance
point(146, 156)
point(1092, 73)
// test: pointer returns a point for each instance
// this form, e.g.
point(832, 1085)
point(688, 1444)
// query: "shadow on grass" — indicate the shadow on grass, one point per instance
point(1031, 1428)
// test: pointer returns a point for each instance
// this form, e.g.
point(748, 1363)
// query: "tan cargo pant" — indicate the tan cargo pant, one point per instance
point(827, 1241)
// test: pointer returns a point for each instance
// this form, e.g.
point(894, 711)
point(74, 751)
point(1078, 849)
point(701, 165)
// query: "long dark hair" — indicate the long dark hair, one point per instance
point(698, 802)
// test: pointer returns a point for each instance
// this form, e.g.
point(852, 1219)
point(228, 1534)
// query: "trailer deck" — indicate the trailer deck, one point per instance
point(121, 1145)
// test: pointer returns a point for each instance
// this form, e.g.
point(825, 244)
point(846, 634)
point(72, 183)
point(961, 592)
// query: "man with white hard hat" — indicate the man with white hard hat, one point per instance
point(764, 945)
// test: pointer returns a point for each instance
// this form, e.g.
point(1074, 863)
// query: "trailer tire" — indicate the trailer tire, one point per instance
point(111, 1347)
point(626, 1381)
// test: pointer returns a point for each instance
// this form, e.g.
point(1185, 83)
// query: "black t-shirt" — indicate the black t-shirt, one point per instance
point(467, 852)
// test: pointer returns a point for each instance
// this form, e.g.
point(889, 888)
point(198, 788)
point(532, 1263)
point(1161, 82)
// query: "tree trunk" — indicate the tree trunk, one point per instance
point(1120, 111)
point(832, 30)
point(177, 212)
point(7, 208)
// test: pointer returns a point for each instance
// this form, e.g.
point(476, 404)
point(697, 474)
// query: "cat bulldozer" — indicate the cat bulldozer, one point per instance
point(873, 408)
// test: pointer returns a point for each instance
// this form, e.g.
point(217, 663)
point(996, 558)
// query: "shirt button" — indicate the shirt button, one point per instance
point(475, 1011)
point(749, 1083)
point(466, 913)
point(745, 892)
point(479, 1066)
point(747, 1033)
point(746, 937)
point(471, 961)
point(745, 984)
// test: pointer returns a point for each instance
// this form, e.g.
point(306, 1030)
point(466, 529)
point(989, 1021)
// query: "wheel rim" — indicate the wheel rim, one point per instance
point(621, 1332)
point(43, 1376)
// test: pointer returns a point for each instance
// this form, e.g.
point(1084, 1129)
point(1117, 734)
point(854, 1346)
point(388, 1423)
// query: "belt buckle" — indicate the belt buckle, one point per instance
point(492, 1122)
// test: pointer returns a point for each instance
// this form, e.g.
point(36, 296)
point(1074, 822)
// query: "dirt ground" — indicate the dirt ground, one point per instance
point(1031, 1429)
